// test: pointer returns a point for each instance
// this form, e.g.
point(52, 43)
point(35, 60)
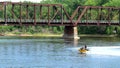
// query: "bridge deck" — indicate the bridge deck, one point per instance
point(61, 23)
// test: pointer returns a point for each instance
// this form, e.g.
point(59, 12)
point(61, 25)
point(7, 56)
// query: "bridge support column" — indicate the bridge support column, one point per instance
point(70, 32)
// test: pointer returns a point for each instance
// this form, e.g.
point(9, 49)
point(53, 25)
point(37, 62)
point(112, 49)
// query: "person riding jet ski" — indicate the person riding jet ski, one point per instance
point(83, 50)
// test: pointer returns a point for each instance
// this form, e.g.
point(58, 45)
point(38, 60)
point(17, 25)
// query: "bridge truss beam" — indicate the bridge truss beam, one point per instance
point(17, 13)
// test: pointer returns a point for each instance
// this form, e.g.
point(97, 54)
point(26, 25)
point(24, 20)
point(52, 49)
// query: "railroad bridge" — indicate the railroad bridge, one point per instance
point(17, 13)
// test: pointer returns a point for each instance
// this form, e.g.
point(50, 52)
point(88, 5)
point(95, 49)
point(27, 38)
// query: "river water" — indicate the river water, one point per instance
point(34, 52)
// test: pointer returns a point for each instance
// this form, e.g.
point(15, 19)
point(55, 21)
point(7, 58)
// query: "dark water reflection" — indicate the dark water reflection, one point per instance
point(54, 53)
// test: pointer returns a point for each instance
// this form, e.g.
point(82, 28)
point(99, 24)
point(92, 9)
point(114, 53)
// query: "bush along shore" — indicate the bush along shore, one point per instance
point(56, 31)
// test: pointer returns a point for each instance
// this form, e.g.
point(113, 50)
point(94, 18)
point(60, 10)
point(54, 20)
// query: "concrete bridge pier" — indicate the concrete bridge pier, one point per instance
point(70, 32)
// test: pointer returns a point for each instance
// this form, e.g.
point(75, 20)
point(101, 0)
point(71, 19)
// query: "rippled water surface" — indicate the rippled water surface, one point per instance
point(28, 52)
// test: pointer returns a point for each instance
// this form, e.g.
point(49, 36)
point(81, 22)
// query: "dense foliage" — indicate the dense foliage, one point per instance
point(71, 5)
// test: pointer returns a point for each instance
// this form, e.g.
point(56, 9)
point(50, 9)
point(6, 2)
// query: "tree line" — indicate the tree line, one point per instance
point(71, 5)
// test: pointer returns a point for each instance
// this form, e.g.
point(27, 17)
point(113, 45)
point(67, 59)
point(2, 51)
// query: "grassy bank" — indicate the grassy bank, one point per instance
point(97, 35)
point(35, 35)
point(47, 35)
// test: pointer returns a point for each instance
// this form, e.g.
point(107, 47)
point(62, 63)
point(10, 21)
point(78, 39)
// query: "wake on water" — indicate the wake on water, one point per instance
point(108, 50)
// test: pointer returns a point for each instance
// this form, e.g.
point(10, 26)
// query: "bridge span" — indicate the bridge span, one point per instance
point(17, 13)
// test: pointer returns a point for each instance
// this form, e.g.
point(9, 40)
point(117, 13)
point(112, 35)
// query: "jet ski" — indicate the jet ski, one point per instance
point(83, 50)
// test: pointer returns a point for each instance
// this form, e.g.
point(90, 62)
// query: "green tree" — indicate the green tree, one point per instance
point(115, 3)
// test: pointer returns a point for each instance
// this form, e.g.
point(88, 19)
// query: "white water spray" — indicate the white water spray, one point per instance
point(108, 50)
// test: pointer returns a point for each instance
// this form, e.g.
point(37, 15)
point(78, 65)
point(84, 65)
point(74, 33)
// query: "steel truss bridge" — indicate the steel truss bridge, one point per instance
point(17, 13)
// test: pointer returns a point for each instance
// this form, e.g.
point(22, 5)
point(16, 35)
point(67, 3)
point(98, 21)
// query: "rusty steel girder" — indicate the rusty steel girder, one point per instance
point(18, 13)
point(29, 11)
point(102, 15)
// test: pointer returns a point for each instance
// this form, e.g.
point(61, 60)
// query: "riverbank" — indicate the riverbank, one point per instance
point(56, 35)
point(97, 35)
point(33, 35)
